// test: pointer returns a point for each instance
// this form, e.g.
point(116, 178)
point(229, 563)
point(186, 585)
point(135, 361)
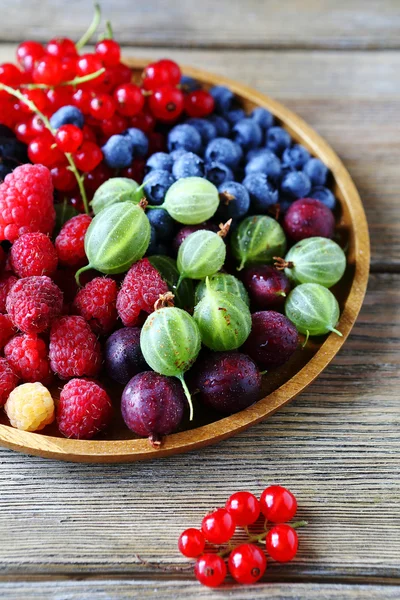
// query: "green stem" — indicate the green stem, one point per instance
point(333, 330)
point(72, 82)
point(109, 32)
point(91, 29)
point(80, 271)
point(187, 394)
point(304, 344)
point(181, 278)
point(34, 109)
point(241, 266)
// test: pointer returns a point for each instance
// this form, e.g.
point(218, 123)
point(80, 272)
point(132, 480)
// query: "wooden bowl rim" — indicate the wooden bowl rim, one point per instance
point(140, 449)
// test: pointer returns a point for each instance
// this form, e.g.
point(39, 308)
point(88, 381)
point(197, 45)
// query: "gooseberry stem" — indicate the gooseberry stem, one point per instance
point(333, 330)
point(187, 394)
point(46, 122)
point(304, 344)
point(91, 29)
point(80, 271)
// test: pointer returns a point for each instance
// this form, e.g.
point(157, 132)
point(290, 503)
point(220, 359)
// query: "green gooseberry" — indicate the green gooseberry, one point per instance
point(223, 282)
point(223, 318)
point(170, 342)
point(191, 200)
point(257, 240)
point(116, 189)
point(166, 266)
point(116, 238)
point(201, 254)
point(314, 260)
point(313, 309)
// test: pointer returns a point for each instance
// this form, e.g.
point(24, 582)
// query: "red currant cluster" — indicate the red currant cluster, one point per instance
point(247, 562)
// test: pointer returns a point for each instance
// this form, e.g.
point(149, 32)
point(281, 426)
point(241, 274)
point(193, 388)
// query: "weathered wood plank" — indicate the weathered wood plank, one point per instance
point(226, 23)
point(337, 447)
point(140, 590)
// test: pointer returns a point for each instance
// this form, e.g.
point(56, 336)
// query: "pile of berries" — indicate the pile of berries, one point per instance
point(246, 562)
point(153, 231)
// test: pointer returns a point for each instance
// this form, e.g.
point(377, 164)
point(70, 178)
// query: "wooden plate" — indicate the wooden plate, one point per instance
point(119, 445)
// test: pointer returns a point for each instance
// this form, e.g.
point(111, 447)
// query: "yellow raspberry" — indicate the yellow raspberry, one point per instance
point(30, 407)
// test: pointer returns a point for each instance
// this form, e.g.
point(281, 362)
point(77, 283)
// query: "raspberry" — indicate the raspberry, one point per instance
point(28, 356)
point(26, 202)
point(96, 304)
point(71, 239)
point(33, 303)
point(30, 407)
point(74, 349)
point(8, 380)
point(141, 288)
point(7, 330)
point(84, 409)
point(7, 280)
point(33, 254)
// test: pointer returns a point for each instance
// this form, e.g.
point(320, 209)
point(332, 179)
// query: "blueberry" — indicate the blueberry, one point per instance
point(263, 117)
point(177, 154)
point(224, 150)
point(156, 185)
point(295, 157)
point(67, 115)
point(155, 246)
point(296, 184)
point(162, 223)
point(221, 124)
point(278, 139)
point(117, 152)
point(140, 143)
point(234, 201)
point(265, 162)
point(316, 171)
point(234, 115)
point(324, 195)
point(247, 133)
point(159, 160)
point(184, 137)
point(6, 131)
point(189, 84)
point(188, 165)
point(257, 152)
point(206, 129)
point(262, 192)
point(285, 203)
point(223, 98)
point(123, 356)
point(218, 173)
point(12, 151)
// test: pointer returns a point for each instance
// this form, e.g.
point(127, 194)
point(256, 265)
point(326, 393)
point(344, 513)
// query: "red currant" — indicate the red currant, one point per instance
point(143, 121)
point(37, 125)
point(129, 99)
point(122, 74)
point(58, 97)
point(191, 543)
point(39, 99)
point(69, 138)
point(116, 124)
point(28, 53)
point(68, 68)
point(109, 82)
point(166, 103)
point(109, 52)
point(10, 75)
point(61, 47)
point(86, 65)
point(9, 111)
point(88, 157)
point(76, 201)
point(135, 171)
point(48, 70)
point(199, 103)
point(282, 543)
point(95, 178)
point(81, 99)
point(218, 527)
point(244, 508)
point(102, 106)
point(63, 179)
point(160, 74)
point(43, 150)
point(89, 135)
point(247, 563)
point(210, 570)
point(278, 504)
point(23, 131)
point(174, 72)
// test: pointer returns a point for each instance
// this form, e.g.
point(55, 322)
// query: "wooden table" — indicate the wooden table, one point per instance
point(72, 531)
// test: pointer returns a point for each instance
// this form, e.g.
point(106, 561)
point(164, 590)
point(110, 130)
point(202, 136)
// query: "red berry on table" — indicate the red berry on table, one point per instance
point(109, 52)
point(244, 508)
point(7, 280)
point(84, 409)
point(61, 47)
point(8, 380)
point(210, 570)
point(218, 526)
point(74, 348)
point(10, 75)
point(96, 303)
point(48, 70)
point(199, 103)
point(63, 178)
point(33, 303)
point(42, 150)
point(191, 543)
point(70, 242)
point(247, 563)
point(308, 217)
point(166, 103)
point(278, 504)
point(28, 355)
point(88, 157)
point(102, 106)
point(69, 138)
point(7, 330)
point(129, 99)
point(33, 254)
point(28, 53)
point(282, 543)
point(38, 97)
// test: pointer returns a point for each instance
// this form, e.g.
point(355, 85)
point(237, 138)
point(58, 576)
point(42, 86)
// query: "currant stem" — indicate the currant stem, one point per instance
point(46, 122)
point(91, 29)
point(109, 32)
point(73, 82)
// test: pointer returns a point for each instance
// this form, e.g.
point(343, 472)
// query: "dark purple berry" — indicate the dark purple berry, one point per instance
point(267, 287)
point(123, 356)
point(308, 218)
point(272, 340)
point(228, 381)
point(188, 229)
